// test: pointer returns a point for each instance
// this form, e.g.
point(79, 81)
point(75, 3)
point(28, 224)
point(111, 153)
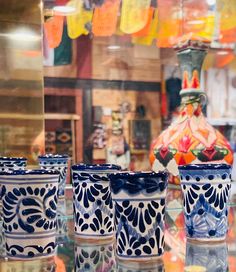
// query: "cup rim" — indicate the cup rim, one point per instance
point(13, 158)
point(205, 166)
point(140, 174)
point(95, 167)
point(29, 172)
point(53, 156)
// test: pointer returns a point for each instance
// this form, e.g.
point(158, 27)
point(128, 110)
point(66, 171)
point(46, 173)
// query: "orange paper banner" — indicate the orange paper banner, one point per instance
point(105, 18)
point(53, 31)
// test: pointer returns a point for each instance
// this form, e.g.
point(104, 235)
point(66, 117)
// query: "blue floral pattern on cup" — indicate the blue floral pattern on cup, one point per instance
point(93, 207)
point(139, 214)
point(56, 162)
point(29, 212)
point(206, 190)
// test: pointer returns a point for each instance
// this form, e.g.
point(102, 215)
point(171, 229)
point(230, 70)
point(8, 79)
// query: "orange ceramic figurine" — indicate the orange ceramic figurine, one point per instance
point(190, 139)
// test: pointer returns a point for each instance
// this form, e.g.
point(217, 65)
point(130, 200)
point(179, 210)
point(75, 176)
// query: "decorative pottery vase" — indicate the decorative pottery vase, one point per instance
point(206, 191)
point(29, 212)
point(56, 162)
point(211, 258)
point(93, 207)
point(190, 139)
point(139, 199)
point(95, 258)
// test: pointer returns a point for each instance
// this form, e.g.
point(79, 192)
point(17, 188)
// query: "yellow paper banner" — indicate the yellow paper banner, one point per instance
point(76, 22)
point(105, 18)
point(147, 40)
point(134, 15)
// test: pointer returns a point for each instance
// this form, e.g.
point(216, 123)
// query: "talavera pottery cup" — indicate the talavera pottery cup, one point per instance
point(139, 199)
point(206, 192)
point(211, 257)
point(29, 199)
point(95, 258)
point(93, 207)
point(56, 162)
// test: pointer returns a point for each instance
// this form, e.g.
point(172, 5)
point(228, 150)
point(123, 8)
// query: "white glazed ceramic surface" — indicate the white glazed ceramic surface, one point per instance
point(95, 258)
point(139, 215)
point(29, 213)
point(93, 207)
point(206, 191)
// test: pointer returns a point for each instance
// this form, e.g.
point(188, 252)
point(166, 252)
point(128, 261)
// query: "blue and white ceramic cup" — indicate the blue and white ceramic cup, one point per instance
point(139, 199)
point(206, 191)
point(210, 257)
point(29, 212)
point(93, 207)
point(56, 162)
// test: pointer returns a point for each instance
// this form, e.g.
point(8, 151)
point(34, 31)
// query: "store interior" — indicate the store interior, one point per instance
point(93, 80)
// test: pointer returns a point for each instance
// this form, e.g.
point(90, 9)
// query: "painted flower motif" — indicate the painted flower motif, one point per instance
point(132, 223)
point(27, 209)
point(93, 200)
point(205, 221)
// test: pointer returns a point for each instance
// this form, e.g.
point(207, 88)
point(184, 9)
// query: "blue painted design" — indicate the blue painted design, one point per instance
point(206, 190)
point(139, 230)
point(205, 166)
point(205, 221)
point(57, 162)
point(139, 221)
point(33, 251)
point(93, 207)
point(134, 183)
point(27, 173)
point(29, 212)
point(96, 167)
point(200, 173)
point(7, 163)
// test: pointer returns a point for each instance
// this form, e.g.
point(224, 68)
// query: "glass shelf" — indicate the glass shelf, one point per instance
point(180, 255)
